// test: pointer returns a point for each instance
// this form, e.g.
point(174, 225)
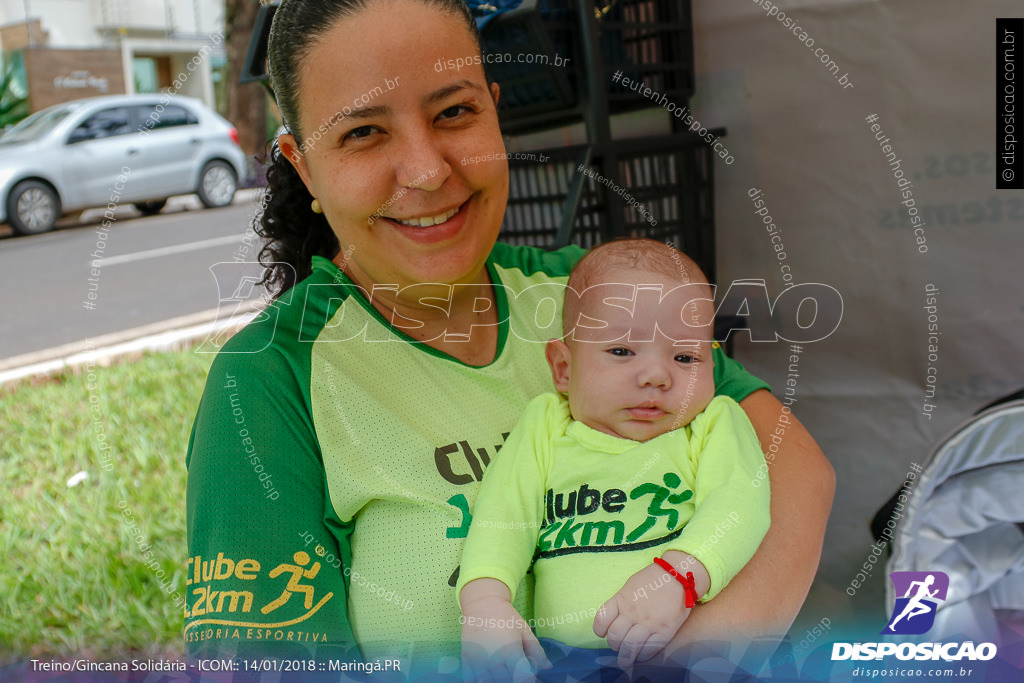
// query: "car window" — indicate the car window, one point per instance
point(156, 117)
point(103, 124)
point(37, 125)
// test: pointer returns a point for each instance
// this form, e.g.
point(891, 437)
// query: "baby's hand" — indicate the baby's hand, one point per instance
point(497, 643)
point(641, 618)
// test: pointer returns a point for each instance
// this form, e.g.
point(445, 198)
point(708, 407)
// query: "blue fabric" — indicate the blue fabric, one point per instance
point(579, 664)
point(485, 10)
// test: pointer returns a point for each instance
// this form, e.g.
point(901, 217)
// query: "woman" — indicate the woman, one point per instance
point(331, 484)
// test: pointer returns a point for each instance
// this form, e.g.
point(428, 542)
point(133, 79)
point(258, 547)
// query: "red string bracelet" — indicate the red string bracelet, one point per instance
point(689, 585)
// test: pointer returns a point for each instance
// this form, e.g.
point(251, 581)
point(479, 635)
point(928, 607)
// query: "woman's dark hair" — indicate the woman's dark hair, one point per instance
point(293, 232)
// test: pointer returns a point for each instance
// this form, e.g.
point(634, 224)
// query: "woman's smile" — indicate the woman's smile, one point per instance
point(431, 229)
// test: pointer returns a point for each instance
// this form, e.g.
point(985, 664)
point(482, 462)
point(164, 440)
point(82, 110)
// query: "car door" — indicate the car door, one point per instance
point(171, 146)
point(99, 150)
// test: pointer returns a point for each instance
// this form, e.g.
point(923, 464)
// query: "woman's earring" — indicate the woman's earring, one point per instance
point(316, 206)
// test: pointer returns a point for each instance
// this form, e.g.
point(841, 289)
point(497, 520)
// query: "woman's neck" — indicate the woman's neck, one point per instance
point(460, 320)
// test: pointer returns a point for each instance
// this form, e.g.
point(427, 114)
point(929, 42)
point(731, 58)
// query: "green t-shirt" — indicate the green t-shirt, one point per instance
point(334, 463)
point(591, 509)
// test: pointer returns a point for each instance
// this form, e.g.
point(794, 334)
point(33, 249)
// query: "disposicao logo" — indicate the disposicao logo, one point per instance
point(914, 613)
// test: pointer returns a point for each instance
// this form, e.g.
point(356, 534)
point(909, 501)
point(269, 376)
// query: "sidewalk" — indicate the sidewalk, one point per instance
point(169, 335)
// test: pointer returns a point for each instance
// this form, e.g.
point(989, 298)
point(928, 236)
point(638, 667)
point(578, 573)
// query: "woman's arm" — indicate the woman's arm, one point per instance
point(767, 594)
point(264, 568)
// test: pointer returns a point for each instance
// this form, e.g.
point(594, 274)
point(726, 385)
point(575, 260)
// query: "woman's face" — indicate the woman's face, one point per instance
point(386, 136)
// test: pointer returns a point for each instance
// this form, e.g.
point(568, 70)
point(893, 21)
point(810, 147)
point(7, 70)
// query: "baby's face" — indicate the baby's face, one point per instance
point(646, 373)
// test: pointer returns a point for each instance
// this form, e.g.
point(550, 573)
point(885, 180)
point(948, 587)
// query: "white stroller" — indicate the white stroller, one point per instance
point(965, 517)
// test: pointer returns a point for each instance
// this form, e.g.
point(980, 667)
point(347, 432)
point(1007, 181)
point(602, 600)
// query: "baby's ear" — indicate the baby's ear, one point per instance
point(558, 355)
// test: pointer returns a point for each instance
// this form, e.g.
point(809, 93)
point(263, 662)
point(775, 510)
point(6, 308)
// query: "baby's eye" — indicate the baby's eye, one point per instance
point(685, 358)
point(620, 351)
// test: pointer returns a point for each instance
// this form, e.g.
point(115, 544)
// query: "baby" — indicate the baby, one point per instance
point(618, 494)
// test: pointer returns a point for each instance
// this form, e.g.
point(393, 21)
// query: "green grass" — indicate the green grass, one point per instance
point(73, 580)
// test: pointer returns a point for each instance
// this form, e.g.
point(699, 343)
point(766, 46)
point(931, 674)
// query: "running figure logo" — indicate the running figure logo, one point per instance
point(922, 592)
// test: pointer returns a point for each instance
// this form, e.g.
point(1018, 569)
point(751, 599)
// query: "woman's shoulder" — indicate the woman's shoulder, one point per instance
point(260, 382)
point(280, 335)
point(534, 260)
point(296, 315)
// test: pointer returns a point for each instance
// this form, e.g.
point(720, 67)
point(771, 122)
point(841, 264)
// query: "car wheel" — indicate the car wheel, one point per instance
point(32, 208)
point(217, 184)
point(151, 208)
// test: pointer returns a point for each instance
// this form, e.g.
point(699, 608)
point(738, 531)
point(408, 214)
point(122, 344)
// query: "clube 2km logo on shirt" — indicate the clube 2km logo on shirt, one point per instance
point(914, 615)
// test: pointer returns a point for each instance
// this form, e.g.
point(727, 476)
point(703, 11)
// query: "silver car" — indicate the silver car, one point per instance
point(120, 149)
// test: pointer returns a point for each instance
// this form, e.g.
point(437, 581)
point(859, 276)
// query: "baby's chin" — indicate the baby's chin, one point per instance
point(637, 430)
point(643, 430)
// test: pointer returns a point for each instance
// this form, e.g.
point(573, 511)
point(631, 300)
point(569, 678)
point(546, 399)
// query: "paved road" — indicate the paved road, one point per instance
point(154, 269)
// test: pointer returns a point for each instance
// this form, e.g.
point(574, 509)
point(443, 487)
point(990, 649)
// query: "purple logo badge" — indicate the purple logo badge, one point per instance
point(918, 597)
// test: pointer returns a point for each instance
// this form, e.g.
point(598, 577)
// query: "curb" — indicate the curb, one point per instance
point(169, 335)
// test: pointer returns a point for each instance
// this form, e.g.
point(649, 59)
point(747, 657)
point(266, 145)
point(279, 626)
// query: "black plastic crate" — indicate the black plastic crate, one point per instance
point(670, 175)
point(537, 200)
point(534, 88)
point(648, 41)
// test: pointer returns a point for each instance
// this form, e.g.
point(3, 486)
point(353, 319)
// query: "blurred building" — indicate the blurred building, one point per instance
point(81, 48)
